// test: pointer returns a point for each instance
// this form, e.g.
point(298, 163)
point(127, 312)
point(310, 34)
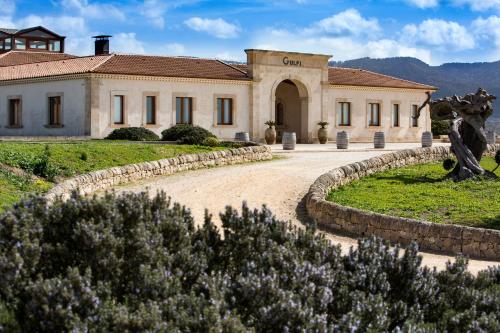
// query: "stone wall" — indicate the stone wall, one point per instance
point(473, 242)
point(103, 179)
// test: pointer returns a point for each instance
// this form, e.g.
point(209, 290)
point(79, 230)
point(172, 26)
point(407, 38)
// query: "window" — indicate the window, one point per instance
point(38, 44)
point(118, 115)
point(344, 116)
point(395, 115)
point(184, 110)
point(20, 43)
point(414, 121)
point(150, 110)
point(224, 111)
point(374, 114)
point(14, 112)
point(280, 113)
point(55, 118)
point(7, 44)
point(54, 45)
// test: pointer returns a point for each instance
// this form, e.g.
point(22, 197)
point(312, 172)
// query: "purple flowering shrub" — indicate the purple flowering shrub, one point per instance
point(132, 263)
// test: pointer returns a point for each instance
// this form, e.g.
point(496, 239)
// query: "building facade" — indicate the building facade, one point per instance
point(91, 96)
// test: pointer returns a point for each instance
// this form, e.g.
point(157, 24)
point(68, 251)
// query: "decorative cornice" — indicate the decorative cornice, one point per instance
point(370, 88)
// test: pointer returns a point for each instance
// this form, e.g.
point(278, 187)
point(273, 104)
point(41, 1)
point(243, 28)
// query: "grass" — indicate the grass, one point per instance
point(421, 192)
point(73, 158)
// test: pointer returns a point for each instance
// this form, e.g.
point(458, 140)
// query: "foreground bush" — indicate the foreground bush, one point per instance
point(133, 134)
point(135, 264)
point(186, 134)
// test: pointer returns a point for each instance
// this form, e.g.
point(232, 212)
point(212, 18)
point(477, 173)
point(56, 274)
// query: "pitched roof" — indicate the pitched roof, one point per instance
point(52, 68)
point(8, 31)
point(12, 58)
point(361, 77)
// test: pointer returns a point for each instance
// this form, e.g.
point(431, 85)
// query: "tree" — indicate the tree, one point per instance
point(468, 115)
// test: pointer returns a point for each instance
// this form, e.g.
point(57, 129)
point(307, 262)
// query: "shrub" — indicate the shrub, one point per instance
point(211, 142)
point(133, 134)
point(134, 263)
point(440, 127)
point(186, 134)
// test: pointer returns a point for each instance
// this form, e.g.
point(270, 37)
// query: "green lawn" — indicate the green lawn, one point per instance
point(420, 192)
point(73, 158)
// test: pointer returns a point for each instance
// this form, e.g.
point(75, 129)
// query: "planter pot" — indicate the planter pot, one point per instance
point(270, 136)
point(379, 140)
point(426, 139)
point(242, 136)
point(342, 140)
point(323, 135)
point(289, 140)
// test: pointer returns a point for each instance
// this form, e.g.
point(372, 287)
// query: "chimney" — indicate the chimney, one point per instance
point(102, 44)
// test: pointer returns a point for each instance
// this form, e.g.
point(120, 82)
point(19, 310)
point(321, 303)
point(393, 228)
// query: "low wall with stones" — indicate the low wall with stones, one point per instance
point(103, 179)
point(452, 239)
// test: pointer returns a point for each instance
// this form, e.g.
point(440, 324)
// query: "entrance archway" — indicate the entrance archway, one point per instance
point(290, 109)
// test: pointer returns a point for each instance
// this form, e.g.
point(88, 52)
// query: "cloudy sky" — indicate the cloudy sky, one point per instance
point(435, 31)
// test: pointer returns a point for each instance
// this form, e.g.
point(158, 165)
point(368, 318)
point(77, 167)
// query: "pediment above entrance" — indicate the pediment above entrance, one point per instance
point(287, 59)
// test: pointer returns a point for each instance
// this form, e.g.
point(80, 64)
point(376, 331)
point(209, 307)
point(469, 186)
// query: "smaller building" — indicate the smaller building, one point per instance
point(31, 39)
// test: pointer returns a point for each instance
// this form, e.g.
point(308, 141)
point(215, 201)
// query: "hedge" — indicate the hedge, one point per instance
point(186, 134)
point(133, 134)
point(132, 263)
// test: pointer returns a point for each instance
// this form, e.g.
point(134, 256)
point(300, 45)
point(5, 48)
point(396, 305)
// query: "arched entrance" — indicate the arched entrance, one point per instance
point(290, 109)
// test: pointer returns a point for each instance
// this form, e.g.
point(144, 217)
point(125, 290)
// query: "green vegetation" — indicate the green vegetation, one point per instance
point(440, 127)
point(138, 264)
point(186, 134)
point(421, 192)
point(133, 134)
point(56, 160)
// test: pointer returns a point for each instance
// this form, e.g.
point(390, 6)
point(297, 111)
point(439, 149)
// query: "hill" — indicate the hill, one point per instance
point(450, 78)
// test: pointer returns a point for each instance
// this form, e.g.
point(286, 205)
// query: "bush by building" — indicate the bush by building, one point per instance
point(186, 134)
point(135, 263)
point(133, 134)
point(440, 127)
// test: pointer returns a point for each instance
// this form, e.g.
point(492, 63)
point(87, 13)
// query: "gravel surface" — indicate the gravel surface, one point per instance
point(280, 184)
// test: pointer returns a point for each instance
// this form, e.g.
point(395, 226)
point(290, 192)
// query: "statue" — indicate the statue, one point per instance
point(467, 134)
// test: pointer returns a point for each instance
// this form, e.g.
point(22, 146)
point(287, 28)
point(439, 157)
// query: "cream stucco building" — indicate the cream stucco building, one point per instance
point(91, 96)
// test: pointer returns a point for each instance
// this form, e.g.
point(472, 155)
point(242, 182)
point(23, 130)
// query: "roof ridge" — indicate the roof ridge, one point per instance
point(52, 61)
point(388, 76)
point(231, 66)
point(102, 62)
point(163, 56)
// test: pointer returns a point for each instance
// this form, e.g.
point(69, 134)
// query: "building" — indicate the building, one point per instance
point(91, 96)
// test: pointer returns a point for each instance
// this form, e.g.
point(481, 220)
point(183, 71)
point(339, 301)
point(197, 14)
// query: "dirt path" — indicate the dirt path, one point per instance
point(281, 184)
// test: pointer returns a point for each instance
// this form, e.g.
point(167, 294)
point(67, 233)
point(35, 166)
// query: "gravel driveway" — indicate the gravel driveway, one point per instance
point(280, 184)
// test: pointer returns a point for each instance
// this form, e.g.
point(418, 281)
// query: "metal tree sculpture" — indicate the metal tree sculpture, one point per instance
point(467, 135)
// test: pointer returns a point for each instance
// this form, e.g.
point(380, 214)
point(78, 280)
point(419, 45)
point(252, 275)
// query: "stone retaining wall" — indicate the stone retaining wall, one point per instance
point(473, 242)
point(103, 179)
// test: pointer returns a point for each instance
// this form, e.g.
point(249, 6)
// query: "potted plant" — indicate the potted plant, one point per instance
point(323, 132)
point(270, 134)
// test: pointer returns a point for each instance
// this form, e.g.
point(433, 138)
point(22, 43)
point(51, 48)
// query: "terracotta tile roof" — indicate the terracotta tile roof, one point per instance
point(52, 68)
point(170, 67)
point(361, 77)
point(12, 58)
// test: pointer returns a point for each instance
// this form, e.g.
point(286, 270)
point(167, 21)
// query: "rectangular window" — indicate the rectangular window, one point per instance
point(54, 45)
point(224, 111)
point(15, 112)
point(395, 115)
point(118, 109)
point(38, 44)
point(184, 110)
point(8, 44)
point(414, 110)
point(55, 111)
point(20, 43)
point(374, 114)
point(150, 110)
point(344, 116)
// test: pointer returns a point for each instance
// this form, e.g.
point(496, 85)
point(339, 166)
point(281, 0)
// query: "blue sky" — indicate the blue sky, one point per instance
point(434, 31)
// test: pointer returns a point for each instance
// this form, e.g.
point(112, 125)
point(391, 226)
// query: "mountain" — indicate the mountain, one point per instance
point(450, 78)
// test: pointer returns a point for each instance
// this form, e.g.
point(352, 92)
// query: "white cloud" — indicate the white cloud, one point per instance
point(424, 3)
point(479, 5)
point(488, 29)
point(154, 10)
point(7, 7)
point(127, 43)
point(440, 34)
point(215, 27)
point(93, 10)
point(348, 22)
point(175, 49)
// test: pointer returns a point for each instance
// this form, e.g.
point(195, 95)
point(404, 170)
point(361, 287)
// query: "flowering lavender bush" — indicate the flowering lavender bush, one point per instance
point(134, 263)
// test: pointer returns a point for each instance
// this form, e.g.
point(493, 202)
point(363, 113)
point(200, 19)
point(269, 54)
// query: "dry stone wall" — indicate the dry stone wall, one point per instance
point(473, 242)
point(103, 179)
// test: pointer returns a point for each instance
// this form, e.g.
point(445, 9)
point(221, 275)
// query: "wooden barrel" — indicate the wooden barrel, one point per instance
point(426, 139)
point(242, 136)
point(379, 140)
point(342, 140)
point(289, 140)
point(491, 137)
